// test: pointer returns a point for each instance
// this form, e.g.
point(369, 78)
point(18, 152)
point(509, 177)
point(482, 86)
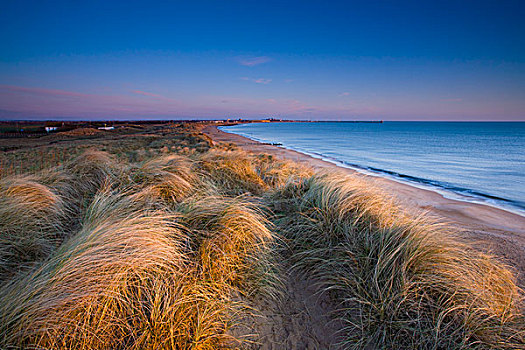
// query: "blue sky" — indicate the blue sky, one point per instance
point(396, 60)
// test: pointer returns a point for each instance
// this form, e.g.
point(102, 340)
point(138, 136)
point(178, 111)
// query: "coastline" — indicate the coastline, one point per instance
point(484, 189)
point(492, 229)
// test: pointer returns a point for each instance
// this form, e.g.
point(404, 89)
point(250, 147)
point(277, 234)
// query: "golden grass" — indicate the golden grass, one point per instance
point(232, 243)
point(276, 172)
point(402, 281)
point(237, 172)
point(139, 274)
point(168, 177)
point(232, 171)
point(30, 223)
point(174, 252)
point(91, 291)
point(125, 280)
point(92, 169)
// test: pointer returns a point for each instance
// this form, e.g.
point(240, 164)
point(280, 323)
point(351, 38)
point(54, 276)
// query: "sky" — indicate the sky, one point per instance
point(307, 60)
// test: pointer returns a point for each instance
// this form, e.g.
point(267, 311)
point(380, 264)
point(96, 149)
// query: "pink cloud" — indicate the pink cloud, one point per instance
point(145, 93)
point(344, 94)
point(254, 61)
point(262, 81)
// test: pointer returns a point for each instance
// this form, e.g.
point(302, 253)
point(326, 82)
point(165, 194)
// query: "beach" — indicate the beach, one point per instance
point(488, 228)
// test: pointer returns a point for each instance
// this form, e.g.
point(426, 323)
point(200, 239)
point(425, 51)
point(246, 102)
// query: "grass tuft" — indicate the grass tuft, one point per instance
point(233, 243)
point(232, 171)
point(169, 178)
point(30, 215)
point(92, 170)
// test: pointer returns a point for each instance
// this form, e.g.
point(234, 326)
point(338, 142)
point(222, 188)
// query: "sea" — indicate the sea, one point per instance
point(482, 162)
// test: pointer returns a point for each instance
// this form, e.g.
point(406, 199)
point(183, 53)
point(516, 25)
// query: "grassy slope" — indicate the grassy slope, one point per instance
point(156, 238)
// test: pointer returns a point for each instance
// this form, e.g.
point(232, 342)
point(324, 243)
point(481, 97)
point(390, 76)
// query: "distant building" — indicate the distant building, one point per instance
point(106, 127)
point(50, 128)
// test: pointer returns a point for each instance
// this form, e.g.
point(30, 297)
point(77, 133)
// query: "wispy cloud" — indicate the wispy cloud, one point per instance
point(145, 93)
point(258, 80)
point(344, 94)
point(262, 81)
point(253, 61)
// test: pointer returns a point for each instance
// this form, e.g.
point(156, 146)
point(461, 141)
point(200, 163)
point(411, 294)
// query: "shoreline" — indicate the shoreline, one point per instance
point(453, 193)
point(493, 229)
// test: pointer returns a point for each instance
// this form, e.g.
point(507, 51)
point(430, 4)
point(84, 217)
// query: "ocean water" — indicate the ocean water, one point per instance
point(479, 162)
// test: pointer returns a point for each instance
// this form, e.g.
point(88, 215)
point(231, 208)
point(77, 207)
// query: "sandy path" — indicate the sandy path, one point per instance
point(491, 229)
point(302, 320)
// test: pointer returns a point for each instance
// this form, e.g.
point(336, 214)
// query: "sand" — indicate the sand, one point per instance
point(488, 228)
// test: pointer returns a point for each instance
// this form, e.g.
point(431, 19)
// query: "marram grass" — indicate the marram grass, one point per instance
point(175, 253)
point(170, 178)
point(30, 223)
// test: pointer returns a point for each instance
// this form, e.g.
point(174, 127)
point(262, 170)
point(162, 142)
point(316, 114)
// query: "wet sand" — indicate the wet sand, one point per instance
point(489, 228)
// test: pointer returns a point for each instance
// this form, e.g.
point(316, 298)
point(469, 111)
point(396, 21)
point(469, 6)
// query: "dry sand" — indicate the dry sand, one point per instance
point(489, 228)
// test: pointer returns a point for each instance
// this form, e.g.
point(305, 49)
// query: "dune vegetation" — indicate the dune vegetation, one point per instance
point(166, 240)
